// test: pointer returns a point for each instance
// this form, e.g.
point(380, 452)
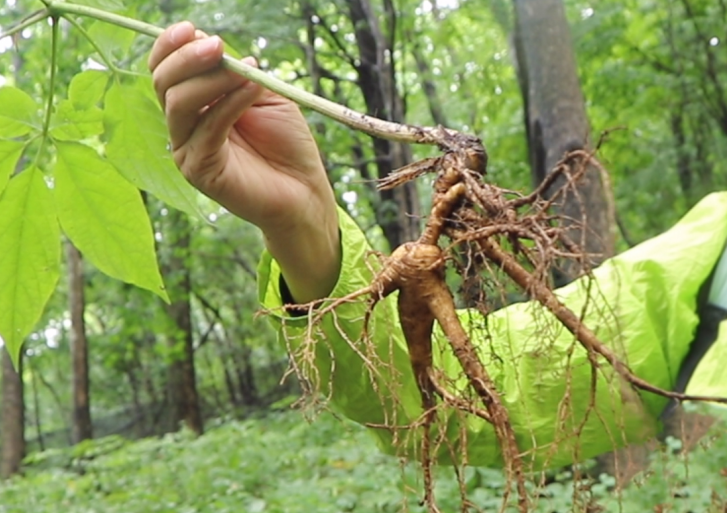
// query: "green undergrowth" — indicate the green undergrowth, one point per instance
point(281, 463)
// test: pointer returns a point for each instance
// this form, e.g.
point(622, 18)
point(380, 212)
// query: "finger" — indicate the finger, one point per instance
point(194, 58)
point(185, 102)
point(171, 39)
point(214, 127)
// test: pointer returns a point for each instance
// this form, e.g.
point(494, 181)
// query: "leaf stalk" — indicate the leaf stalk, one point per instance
point(27, 22)
point(51, 89)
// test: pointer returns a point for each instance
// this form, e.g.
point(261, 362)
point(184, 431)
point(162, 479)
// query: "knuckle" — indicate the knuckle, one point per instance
point(156, 80)
point(181, 159)
point(171, 99)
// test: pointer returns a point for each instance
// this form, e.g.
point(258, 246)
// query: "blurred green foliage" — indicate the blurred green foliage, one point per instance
point(279, 463)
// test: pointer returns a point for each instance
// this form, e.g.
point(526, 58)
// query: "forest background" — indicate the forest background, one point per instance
point(107, 361)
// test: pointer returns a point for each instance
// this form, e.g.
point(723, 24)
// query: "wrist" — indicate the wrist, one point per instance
point(308, 250)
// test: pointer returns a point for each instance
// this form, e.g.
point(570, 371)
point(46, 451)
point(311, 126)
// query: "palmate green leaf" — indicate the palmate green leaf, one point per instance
point(18, 112)
point(137, 146)
point(112, 40)
point(10, 152)
point(79, 117)
point(70, 124)
point(87, 88)
point(104, 216)
point(30, 255)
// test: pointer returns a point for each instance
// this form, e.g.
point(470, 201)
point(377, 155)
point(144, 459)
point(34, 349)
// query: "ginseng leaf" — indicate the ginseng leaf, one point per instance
point(70, 124)
point(137, 147)
point(87, 88)
point(104, 216)
point(30, 252)
point(79, 117)
point(10, 152)
point(18, 113)
point(111, 40)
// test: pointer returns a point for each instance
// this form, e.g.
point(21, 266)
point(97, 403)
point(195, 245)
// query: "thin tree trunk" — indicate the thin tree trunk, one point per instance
point(81, 427)
point(147, 376)
point(556, 120)
point(436, 109)
point(213, 390)
point(230, 384)
point(12, 415)
point(36, 408)
point(181, 379)
point(245, 378)
point(398, 211)
point(60, 406)
point(683, 159)
point(139, 411)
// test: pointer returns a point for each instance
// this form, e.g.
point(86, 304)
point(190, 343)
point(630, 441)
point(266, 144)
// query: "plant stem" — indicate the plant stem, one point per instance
point(371, 125)
point(27, 22)
point(51, 88)
point(107, 61)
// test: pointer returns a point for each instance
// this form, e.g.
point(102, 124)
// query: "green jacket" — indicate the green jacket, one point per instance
point(642, 302)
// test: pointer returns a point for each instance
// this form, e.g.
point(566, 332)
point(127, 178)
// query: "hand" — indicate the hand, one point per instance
point(250, 150)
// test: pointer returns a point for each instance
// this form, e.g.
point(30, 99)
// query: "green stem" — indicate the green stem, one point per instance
point(110, 65)
point(60, 8)
point(27, 22)
point(51, 88)
point(368, 124)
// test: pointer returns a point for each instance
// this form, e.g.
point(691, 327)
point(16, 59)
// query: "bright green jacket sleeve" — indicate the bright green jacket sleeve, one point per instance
point(642, 303)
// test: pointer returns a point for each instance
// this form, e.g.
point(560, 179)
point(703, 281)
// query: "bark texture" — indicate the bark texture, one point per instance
point(12, 415)
point(398, 212)
point(371, 57)
point(82, 428)
point(556, 121)
point(182, 395)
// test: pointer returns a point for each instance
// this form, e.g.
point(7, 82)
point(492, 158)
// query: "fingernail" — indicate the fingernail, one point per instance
point(250, 61)
point(180, 32)
point(207, 46)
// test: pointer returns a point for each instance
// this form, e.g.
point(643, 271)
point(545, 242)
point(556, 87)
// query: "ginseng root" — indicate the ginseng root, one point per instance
point(483, 219)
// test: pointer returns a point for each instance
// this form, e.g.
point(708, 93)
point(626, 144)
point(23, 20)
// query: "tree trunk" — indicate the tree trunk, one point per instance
point(181, 380)
point(429, 86)
point(36, 410)
point(556, 122)
point(81, 426)
point(12, 415)
point(245, 378)
point(398, 211)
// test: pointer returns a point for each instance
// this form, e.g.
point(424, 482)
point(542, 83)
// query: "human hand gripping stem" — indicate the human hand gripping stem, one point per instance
point(250, 150)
